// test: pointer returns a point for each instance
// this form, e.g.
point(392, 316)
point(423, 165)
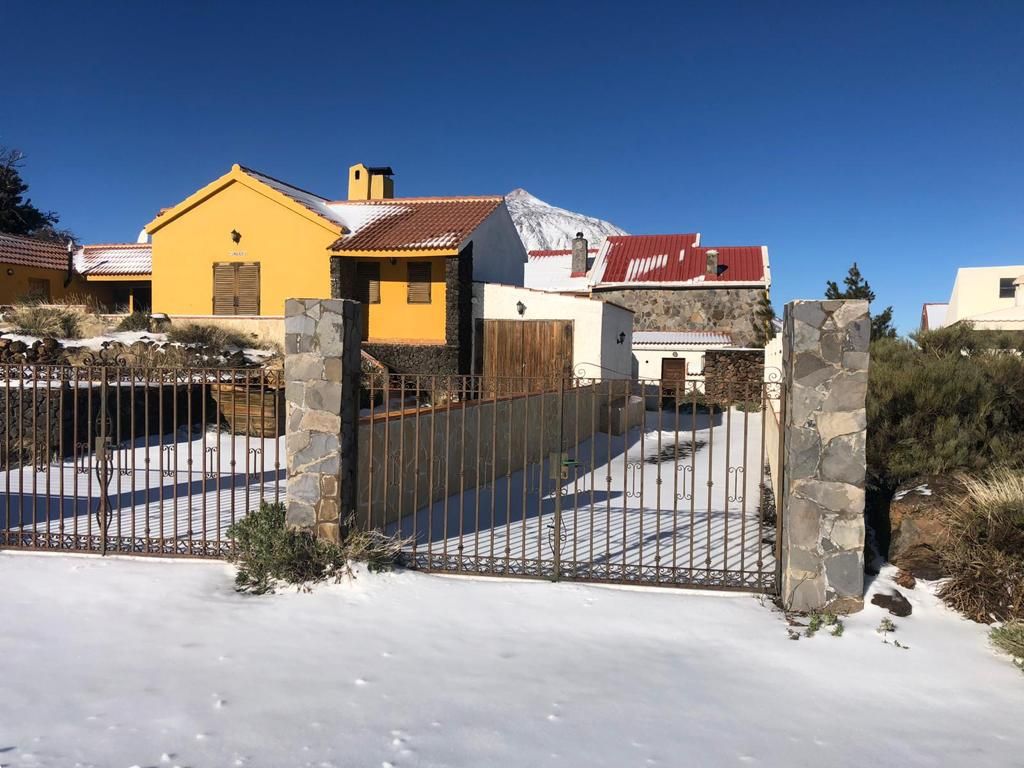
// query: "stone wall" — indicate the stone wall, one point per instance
point(728, 310)
point(825, 361)
point(321, 372)
point(733, 375)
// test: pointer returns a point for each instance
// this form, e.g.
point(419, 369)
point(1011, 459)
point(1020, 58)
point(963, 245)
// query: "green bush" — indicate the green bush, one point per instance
point(136, 321)
point(944, 405)
point(268, 552)
point(1009, 638)
point(35, 319)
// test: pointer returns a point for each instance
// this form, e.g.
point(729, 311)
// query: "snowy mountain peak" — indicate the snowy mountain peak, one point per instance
point(543, 226)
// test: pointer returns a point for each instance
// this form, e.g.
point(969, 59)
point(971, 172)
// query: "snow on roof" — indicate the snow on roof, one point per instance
point(316, 203)
point(680, 338)
point(115, 259)
point(29, 252)
point(410, 224)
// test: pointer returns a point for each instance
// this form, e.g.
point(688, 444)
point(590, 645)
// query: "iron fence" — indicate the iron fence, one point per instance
point(149, 461)
point(628, 481)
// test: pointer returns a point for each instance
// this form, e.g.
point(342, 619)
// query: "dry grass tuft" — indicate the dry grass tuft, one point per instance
point(985, 548)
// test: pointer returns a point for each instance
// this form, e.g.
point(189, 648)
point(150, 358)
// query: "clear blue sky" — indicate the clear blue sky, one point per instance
point(887, 133)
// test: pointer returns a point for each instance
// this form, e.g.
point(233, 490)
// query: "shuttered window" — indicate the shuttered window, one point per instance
point(368, 282)
point(39, 288)
point(419, 282)
point(236, 288)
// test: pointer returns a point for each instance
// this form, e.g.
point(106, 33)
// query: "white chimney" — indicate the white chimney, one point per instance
point(712, 263)
point(1018, 291)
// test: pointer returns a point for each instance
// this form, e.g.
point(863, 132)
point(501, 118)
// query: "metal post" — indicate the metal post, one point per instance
point(556, 538)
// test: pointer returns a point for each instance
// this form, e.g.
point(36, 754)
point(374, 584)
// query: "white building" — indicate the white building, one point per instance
point(991, 298)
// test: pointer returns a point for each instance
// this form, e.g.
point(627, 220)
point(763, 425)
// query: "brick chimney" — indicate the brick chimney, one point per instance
point(579, 253)
point(712, 263)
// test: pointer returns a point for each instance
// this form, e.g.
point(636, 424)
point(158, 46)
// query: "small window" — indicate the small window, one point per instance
point(419, 282)
point(368, 281)
point(39, 289)
point(1006, 288)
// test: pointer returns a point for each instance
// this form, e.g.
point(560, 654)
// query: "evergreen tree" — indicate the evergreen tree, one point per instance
point(856, 287)
point(764, 316)
point(18, 216)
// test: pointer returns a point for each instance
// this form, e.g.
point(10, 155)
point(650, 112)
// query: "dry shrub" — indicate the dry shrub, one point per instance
point(985, 548)
point(212, 338)
point(46, 320)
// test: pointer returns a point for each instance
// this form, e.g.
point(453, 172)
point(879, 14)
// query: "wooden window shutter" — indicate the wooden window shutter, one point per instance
point(419, 282)
point(248, 290)
point(236, 288)
point(223, 288)
point(368, 282)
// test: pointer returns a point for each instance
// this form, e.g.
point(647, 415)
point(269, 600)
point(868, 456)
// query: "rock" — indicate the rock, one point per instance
point(917, 521)
point(906, 580)
point(893, 602)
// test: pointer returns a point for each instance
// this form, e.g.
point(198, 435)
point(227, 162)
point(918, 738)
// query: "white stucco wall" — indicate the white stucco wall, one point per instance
point(976, 291)
point(597, 324)
point(649, 359)
point(498, 253)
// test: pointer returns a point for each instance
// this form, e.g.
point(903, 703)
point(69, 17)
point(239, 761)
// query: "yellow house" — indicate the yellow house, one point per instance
point(236, 249)
point(116, 275)
point(33, 269)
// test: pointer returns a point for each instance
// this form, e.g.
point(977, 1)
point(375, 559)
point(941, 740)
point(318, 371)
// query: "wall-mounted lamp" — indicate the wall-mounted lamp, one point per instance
point(622, 337)
point(520, 308)
point(236, 235)
point(393, 261)
point(10, 271)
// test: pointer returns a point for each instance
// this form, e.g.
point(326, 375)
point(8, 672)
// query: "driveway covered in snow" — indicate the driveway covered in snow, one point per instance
point(120, 662)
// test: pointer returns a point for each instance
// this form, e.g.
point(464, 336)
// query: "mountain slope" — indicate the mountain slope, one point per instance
point(544, 226)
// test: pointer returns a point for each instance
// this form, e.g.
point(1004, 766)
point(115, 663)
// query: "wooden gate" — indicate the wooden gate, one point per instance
point(525, 355)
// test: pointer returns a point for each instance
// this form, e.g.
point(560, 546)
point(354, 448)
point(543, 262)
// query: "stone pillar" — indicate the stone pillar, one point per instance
point(825, 361)
point(321, 372)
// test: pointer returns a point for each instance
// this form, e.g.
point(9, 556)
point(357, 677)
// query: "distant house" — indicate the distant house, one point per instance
point(118, 275)
point(233, 251)
point(990, 298)
point(33, 269)
point(686, 298)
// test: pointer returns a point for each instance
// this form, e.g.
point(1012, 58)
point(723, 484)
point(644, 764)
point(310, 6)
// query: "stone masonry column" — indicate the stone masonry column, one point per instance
point(825, 362)
point(321, 373)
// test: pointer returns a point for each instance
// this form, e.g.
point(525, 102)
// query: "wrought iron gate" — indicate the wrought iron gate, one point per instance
point(635, 482)
point(113, 458)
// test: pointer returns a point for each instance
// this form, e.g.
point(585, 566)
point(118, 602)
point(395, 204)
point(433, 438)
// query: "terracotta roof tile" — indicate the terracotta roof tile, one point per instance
point(115, 259)
point(28, 252)
point(411, 224)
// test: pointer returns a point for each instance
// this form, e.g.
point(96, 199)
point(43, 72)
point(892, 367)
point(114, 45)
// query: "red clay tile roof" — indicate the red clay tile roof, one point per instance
point(674, 259)
point(411, 224)
point(28, 252)
point(115, 259)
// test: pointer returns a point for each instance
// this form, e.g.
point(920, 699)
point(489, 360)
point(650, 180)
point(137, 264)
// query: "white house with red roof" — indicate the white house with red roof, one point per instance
point(686, 297)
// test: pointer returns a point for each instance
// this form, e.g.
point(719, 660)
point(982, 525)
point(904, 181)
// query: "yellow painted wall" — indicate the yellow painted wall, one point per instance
point(291, 250)
point(395, 318)
point(14, 287)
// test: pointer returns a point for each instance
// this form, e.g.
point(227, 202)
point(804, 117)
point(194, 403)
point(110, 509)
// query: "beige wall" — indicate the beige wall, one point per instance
point(15, 286)
point(976, 291)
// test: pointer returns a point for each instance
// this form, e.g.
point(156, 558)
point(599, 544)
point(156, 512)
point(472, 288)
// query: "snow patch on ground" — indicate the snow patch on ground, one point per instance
point(921, 490)
point(111, 662)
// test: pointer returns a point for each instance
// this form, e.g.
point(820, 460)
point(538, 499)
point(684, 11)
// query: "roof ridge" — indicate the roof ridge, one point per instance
point(436, 199)
point(251, 171)
point(117, 245)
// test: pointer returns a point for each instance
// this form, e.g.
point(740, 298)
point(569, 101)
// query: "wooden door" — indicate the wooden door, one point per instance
point(522, 356)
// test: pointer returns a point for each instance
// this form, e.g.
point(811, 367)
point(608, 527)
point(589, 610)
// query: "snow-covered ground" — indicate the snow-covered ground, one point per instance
point(122, 662)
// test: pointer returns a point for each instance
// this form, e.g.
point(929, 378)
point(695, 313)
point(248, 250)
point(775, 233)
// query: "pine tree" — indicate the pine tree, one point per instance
point(764, 316)
point(18, 216)
point(859, 288)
